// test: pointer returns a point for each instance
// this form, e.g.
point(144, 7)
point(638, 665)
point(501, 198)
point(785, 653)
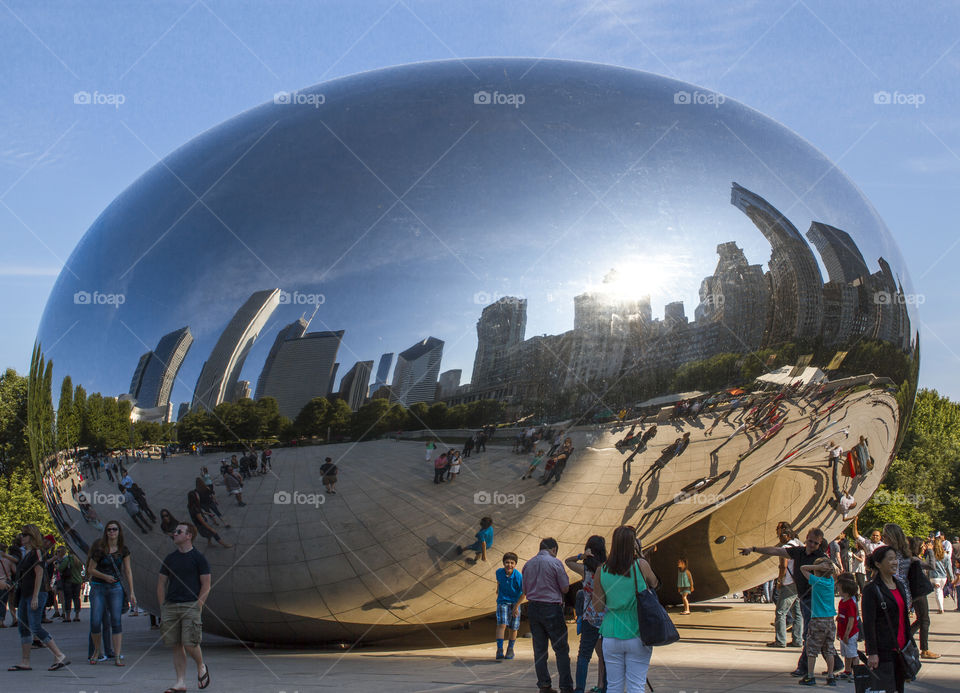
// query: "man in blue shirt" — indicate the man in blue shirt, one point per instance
point(509, 594)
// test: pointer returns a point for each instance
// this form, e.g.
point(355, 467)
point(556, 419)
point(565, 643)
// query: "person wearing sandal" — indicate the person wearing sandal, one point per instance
point(182, 589)
point(30, 581)
point(107, 565)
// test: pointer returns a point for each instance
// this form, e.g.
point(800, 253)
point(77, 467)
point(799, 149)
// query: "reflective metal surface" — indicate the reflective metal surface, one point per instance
point(574, 239)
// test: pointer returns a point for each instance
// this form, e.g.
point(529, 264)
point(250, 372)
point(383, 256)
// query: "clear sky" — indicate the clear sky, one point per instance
point(183, 67)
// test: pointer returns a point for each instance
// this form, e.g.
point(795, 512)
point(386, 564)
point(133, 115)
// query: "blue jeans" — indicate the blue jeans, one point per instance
point(106, 644)
point(29, 620)
point(547, 625)
point(105, 599)
point(589, 634)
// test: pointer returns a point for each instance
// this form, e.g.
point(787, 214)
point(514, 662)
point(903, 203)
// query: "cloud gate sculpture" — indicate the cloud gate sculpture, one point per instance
point(690, 292)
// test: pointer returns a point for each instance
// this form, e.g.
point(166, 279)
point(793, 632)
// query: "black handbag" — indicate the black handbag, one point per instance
point(909, 654)
point(879, 680)
point(920, 585)
point(656, 628)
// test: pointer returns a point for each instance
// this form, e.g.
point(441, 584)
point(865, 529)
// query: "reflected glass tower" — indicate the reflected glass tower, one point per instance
point(502, 325)
point(383, 372)
point(353, 387)
point(302, 369)
point(221, 370)
point(157, 370)
point(415, 377)
point(294, 330)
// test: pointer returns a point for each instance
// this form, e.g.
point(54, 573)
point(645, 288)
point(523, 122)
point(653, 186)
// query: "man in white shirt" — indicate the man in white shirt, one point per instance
point(869, 545)
point(787, 599)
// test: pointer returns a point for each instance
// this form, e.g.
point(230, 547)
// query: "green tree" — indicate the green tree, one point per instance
point(268, 412)
point(417, 416)
point(66, 427)
point(338, 418)
point(14, 449)
point(20, 504)
point(312, 419)
point(437, 415)
point(80, 414)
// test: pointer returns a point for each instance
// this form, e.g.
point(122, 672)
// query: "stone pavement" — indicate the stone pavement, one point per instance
point(720, 650)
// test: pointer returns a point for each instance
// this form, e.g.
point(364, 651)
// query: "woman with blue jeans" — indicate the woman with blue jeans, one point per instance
point(626, 657)
point(31, 581)
point(107, 565)
point(593, 556)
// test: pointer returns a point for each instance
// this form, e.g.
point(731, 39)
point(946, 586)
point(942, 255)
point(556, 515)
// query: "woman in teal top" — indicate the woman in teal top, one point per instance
point(627, 658)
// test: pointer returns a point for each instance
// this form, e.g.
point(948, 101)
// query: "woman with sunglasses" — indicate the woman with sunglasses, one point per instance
point(33, 597)
point(107, 566)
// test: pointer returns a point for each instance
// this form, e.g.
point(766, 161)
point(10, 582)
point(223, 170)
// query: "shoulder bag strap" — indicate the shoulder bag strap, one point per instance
point(886, 613)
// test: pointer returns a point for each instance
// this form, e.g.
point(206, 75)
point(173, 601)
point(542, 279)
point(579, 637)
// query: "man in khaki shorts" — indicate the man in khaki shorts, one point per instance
point(182, 590)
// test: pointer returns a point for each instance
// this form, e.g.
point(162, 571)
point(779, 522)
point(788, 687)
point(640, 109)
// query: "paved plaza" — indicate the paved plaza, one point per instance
point(721, 649)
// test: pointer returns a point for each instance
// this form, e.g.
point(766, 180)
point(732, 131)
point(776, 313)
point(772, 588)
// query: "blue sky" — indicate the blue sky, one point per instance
point(184, 67)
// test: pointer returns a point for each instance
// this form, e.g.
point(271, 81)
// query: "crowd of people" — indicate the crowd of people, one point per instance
point(38, 575)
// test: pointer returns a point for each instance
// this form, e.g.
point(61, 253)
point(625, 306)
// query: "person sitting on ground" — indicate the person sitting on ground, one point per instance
point(484, 541)
point(537, 459)
point(234, 485)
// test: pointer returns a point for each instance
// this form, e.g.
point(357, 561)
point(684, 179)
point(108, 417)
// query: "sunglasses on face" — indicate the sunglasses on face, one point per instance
point(113, 529)
point(179, 531)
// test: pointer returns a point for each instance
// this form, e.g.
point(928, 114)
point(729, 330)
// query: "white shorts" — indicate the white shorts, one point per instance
point(848, 650)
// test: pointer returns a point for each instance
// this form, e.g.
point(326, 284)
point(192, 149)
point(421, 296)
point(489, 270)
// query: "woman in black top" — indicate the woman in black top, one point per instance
point(885, 610)
point(107, 566)
point(199, 520)
point(168, 522)
point(33, 597)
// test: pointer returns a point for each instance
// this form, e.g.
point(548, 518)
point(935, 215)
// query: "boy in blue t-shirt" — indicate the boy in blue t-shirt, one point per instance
point(509, 593)
point(822, 630)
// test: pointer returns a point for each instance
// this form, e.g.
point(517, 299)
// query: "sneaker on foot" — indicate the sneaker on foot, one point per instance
point(832, 682)
point(509, 655)
point(775, 644)
point(807, 681)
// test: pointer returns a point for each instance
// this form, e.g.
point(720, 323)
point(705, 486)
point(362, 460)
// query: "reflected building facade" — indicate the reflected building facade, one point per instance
point(416, 373)
point(221, 371)
point(294, 330)
point(354, 386)
point(302, 369)
point(157, 370)
point(383, 373)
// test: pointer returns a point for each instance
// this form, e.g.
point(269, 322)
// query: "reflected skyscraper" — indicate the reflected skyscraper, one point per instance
point(302, 369)
point(383, 372)
point(737, 297)
point(501, 325)
point(415, 377)
point(353, 387)
point(294, 330)
point(448, 383)
point(157, 369)
point(222, 369)
point(796, 285)
point(846, 297)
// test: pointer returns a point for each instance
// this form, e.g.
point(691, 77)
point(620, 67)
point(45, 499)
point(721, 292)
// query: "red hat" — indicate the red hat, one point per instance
point(50, 538)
